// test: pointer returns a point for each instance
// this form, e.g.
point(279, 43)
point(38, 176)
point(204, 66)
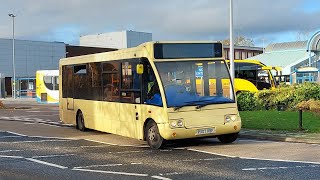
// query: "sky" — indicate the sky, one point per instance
point(264, 21)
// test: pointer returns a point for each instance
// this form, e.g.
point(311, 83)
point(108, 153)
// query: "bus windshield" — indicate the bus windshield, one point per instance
point(195, 83)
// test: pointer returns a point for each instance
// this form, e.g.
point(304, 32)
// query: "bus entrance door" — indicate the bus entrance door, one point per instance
point(70, 87)
point(130, 118)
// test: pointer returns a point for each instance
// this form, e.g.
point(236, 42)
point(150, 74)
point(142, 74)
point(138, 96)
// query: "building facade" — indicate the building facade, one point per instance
point(291, 56)
point(116, 40)
point(242, 52)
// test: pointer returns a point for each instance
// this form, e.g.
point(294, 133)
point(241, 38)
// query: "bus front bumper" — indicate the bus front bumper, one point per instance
point(169, 133)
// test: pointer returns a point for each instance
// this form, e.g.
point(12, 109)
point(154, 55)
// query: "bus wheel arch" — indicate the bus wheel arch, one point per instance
point(80, 121)
point(152, 135)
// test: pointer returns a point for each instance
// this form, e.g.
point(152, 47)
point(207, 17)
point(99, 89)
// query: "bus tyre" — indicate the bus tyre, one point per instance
point(154, 139)
point(80, 121)
point(228, 138)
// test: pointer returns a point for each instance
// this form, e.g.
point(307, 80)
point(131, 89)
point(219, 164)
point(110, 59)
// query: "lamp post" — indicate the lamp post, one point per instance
point(231, 47)
point(13, 58)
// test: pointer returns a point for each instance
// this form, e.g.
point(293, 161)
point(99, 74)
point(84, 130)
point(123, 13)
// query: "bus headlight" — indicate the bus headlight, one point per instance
point(229, 118)
point(177, 123)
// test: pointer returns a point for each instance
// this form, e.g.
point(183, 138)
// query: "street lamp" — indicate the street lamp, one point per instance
point(13, 64)
point(231, 47)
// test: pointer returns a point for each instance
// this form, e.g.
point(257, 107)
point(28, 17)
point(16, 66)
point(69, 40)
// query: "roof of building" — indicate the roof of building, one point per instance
point(296, 45)
point(282, 58)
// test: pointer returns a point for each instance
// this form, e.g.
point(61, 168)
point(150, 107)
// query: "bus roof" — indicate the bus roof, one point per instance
point(128, 53)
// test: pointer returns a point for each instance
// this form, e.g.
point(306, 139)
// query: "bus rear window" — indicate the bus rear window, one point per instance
point(187, 50)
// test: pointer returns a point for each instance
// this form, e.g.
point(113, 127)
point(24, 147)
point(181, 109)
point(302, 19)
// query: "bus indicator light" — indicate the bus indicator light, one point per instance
point(174, 134)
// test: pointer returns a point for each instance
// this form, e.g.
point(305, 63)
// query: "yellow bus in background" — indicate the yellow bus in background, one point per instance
point(47, 83)
point(252, 76)
point(158, 91)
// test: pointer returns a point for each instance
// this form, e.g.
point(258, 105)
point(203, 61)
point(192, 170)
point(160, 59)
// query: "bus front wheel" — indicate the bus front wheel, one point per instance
point(228, 138)
point(80, 121)
point(153, 136)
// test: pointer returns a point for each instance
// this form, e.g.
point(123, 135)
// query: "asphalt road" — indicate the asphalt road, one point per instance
point(33, 145)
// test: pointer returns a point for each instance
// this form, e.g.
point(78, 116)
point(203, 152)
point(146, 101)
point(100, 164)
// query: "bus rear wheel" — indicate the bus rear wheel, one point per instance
point(80, 121)
point(153, 137)
point(228, 138)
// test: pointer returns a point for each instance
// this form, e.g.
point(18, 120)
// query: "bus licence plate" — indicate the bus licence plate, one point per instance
point(205, 131)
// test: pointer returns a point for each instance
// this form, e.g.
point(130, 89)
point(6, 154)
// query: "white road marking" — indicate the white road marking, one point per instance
point(261, 159)
point(159, 177)
point(169, 174)
point(46, 163)
point(105, 165)
point(49, 125)
point(29, 123)
point(135, 163)
point(101, 165)
point(4, 151)
point(210, 153)
point(281, 160)
point(276, 168)
point(15, 133)
point(112, 172)
point(53, 140)
point(209, 159)
point(14, 157)
point(55, 155)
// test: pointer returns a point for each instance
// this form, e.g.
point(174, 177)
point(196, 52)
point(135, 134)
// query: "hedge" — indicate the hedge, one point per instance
point(284, 96)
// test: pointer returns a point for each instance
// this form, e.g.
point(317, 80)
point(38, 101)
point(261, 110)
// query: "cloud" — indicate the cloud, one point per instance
point(66, 20)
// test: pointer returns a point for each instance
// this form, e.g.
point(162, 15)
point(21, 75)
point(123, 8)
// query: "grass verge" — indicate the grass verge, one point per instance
point(280, 120)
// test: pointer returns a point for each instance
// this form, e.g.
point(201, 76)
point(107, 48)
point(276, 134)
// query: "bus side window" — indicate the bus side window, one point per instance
point(130, 82)
point(110, 81)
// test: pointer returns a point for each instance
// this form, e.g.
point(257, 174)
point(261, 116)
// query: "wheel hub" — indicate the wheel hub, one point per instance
point(152, 133)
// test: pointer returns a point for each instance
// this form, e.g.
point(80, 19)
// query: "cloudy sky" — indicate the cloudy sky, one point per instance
point(270, 21)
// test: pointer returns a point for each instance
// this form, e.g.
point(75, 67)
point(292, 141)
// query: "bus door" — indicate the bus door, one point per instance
point(70, 88)
point(130, 97)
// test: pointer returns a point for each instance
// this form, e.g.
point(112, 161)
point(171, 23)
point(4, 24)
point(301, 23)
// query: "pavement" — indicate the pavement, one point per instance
point(271, 135)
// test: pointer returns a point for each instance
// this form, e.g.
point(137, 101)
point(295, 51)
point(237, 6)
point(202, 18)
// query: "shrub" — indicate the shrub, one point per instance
point(310, 105)
point(246, 101)
point(288, 96)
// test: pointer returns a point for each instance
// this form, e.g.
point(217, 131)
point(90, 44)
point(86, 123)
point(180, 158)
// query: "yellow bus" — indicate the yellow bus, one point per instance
point(150, 92)
point(252, 76)
point(47, 86)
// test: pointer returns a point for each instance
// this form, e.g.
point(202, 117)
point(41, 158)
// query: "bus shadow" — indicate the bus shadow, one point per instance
point(193, 142)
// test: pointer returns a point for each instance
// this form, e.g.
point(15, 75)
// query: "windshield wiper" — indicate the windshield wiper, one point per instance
point(202, 105)
point(177, 107)
point(186, 104)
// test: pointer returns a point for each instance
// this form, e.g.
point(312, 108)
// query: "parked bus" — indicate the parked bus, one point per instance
point(151, 92)
point(47, 86)
point(252, 76)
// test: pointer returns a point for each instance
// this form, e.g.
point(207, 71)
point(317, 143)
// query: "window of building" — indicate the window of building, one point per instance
point(243, 55)
point(237, 55)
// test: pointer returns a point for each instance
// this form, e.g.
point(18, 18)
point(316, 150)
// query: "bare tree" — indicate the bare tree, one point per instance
point(239, 41)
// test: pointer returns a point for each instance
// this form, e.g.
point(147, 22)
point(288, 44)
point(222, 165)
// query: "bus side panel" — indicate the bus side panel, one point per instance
point(128, 120)
point(155, 113)
point(244, 85)
point(39, 85)
point(99, 115)
point(67, 116)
